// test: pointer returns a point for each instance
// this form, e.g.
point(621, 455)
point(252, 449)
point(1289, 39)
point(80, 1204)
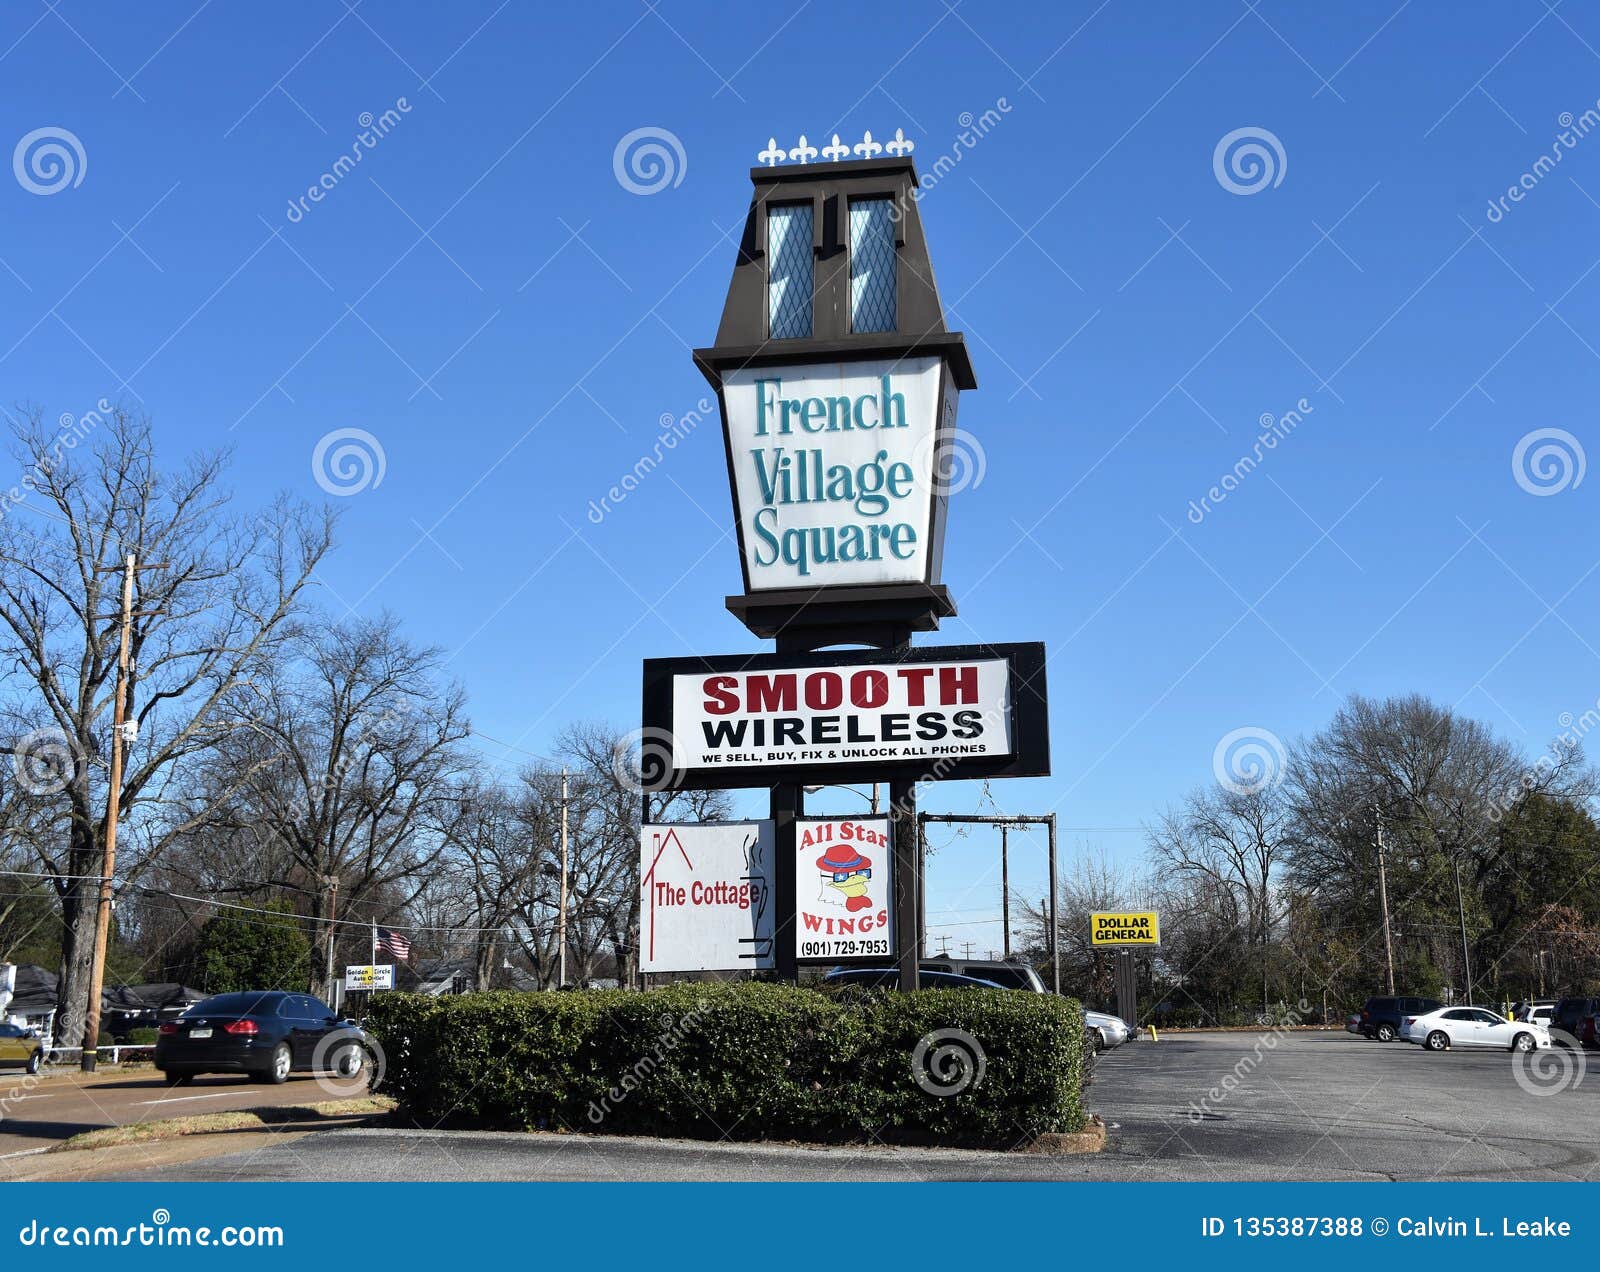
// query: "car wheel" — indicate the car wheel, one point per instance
point(1523, 1042)
point(348, 1061)
point(1386, 1032)
point(1438, 1040)
point(277, 1070)
point(34, 1061)
point(177, 1077)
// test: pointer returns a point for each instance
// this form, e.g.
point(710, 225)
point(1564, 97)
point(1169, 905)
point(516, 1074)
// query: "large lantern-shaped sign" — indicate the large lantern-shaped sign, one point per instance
point(838, 384)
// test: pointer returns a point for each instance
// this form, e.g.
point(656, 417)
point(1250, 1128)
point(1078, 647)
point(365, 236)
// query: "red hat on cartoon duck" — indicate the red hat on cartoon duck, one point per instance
point(847, 870)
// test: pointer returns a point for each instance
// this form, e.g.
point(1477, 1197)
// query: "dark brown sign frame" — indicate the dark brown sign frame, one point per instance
point(1029, 706)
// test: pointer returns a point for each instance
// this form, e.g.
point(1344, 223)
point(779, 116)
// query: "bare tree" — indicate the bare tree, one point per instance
point(1093, 882)
point(1230, 839)
point(494, 874)
point(348, 743)
point(613, 813)
point(223, 600)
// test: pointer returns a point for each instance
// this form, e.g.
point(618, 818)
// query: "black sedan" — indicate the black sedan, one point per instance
point(267, 1034)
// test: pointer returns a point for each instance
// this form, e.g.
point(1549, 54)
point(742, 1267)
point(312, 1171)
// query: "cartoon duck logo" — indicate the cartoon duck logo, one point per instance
point(845, 873)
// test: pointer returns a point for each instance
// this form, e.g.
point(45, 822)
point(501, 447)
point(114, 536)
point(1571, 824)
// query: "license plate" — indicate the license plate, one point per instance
point(199, 1033)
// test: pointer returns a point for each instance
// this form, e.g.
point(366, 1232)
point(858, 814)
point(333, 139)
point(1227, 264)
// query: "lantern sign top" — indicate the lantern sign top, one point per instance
point(898, 147)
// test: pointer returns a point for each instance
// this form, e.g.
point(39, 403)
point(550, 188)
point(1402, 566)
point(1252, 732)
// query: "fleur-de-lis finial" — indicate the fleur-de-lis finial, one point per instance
point(803, 152)
point(837, 151)
point(867, 148)
point(900, 146)
point(773, 154)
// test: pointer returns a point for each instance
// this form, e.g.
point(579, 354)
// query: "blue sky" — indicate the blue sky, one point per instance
point(486, 299)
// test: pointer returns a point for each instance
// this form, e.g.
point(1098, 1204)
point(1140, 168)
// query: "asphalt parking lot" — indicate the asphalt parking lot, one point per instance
point(1302, 1106)
point(37, 1114)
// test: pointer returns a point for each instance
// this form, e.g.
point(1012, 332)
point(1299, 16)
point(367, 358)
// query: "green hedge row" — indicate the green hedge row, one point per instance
point(740, 1061)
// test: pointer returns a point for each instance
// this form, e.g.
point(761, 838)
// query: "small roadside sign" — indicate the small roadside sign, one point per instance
point(1139, 927)
point(368, 977)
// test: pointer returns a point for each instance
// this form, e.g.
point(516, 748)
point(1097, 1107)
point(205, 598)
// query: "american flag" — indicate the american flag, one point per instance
point(394, 943)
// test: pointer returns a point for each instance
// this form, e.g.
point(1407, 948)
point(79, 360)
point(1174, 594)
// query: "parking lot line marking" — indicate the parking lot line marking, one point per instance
point(178, 1099)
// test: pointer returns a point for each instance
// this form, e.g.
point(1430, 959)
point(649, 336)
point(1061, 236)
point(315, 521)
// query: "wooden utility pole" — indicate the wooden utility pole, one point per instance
point(1461, 911)
point(1383, 901)
point(108, 859)
point(331, 882)
point(561, 910)
point(1048, 905)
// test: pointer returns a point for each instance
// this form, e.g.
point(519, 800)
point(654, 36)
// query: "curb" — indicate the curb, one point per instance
point(1092, 1139)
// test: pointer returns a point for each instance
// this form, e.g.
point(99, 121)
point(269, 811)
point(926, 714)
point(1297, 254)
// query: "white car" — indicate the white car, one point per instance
point(1105, 1031)
point(1472, 1027)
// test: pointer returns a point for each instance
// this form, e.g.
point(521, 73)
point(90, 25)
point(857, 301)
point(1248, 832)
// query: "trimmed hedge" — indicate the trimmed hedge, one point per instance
point(740, 1061)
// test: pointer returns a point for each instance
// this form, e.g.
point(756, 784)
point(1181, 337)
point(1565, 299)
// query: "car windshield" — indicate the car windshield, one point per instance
point(245, 1004)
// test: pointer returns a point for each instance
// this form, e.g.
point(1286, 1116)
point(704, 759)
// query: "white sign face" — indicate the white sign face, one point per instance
point(833, 470)
point(843, 889)
point(859, 713)
point(705, 900)
point(369, 976)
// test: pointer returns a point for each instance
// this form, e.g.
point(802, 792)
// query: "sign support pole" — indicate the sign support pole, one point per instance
point(1055, 931)
point(1127, 988)
point(1005, 895)
point(904, 838)
point(788, 804)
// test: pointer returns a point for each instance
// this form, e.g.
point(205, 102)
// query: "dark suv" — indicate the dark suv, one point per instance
point(1566, 1021)
point(1380, 1017)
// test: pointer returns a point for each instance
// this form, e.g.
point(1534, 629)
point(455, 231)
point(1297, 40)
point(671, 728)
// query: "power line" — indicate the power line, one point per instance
point(307, 918)
point(44, 874)
point(479, 733)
